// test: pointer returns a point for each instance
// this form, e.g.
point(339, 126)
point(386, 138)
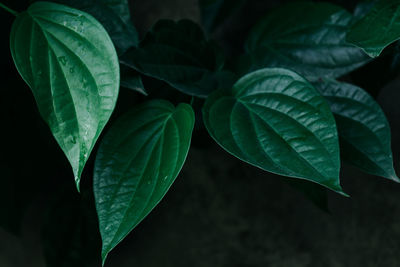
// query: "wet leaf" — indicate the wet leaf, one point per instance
point(70, 63)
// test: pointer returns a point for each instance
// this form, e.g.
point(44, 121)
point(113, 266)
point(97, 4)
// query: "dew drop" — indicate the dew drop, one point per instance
point(63, 60)
point(71, 70)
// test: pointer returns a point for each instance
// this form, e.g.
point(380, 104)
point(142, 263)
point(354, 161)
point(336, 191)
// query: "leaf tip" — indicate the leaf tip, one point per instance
point(104, 255)
point(77, 183)
point(394, 178)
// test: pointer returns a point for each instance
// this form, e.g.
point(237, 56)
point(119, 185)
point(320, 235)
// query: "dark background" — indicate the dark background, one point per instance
point(219, 212)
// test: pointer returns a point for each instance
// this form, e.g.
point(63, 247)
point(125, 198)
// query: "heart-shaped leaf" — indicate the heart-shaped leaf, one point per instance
point(364, 132)
point(179, 54)
point(379, 28)
point(137, 162)
point(306, 37)
point(70, 63)
point(114, 15)
point(276, 120)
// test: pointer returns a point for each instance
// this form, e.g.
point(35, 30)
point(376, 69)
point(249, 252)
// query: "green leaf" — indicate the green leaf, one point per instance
point(114, 15)
point(137, 162)
point(179, 54)
point(379, 28)
point(215, 12)
point(131, 79)
point(275, 120)
point(306, 37)
point(362, 8)
point(70, 63)
point(364, 132)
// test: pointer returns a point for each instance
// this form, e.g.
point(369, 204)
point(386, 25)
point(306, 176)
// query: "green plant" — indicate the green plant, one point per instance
point(278, 107)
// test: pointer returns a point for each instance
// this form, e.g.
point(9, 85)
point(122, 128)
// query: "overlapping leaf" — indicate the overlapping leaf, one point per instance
point(379, 28)
point(363, 129)
point(114, 15)
point(70, 63)
point(179, 54)
point(306, 37)
point(275, 120)
point(137, 162)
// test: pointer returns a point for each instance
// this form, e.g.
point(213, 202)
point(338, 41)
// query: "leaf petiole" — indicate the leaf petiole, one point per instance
point(15, 13)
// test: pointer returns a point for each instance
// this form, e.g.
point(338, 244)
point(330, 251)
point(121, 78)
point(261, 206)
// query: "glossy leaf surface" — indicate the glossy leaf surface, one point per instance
point(306, 37)
point(379, 28)
point(179, 54)
point(137, 162)
point(274, 119)
point(114, 15)
point(70, 63)
point(364, 132)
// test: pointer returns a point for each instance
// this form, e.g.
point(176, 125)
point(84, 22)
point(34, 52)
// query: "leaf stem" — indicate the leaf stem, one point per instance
point(15, 13)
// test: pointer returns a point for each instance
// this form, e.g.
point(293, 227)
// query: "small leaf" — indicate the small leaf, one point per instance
point(179, 54)
point(306, 37)
point(114, 15)
point(379, 28)
point(364, 132)
point(70, 63)
point(131, 79)
point(137, 162)
point(275, 120)
point(215, 12)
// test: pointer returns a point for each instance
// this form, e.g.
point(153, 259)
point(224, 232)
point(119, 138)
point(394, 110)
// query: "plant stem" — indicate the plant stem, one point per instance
point(15, 13)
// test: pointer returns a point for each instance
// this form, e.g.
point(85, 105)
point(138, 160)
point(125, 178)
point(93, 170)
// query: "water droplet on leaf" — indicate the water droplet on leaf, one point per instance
point(63, 60)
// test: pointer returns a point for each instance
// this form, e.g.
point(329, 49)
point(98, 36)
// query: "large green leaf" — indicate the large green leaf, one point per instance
point(70, 63)
point(306, 37)
point(137, 162)
point(114, 15)
point(274, 119)
point(364, 132)
point(179, 54)
point(379, 28)
point(214, 12)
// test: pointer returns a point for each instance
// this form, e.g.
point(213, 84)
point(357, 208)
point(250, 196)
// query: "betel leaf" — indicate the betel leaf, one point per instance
point(362, 8)
point(179, 54)
point(306, 37)
point(131, 79)
point(379, 28)
point(70, 63)
point(214, 12)
point(137, 162)
point(275, 120)
point(364, 132)
point(114, 15)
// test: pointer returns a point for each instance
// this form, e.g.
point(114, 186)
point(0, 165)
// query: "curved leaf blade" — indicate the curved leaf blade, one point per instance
point(178, 54)
point(69, 62)
point(307, 37)
point(378, 29)
point(114, 15)
point(364, 132)
point(136, 164)
point(275, 120)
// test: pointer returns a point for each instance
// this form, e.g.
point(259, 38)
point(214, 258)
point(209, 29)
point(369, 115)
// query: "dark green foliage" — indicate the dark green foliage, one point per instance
point(280, 106)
